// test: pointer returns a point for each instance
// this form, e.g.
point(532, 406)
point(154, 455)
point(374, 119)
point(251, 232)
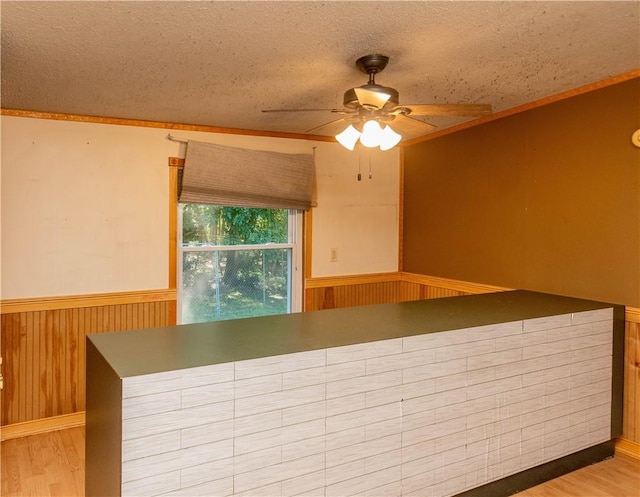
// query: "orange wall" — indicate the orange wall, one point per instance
point(548, 199)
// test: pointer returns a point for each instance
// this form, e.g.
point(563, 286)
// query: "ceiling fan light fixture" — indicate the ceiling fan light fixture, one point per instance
point(348, 137)
point(389, 138)
point(372, 135)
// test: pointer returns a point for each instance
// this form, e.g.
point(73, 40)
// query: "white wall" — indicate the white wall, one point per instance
point(85, 206)
point(357, 218)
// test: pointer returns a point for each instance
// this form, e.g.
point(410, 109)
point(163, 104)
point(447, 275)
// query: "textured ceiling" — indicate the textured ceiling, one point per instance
point(219, 63)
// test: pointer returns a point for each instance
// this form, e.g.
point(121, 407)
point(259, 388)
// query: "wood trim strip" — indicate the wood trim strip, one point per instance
point(401, 210)
point(89, 300)
point(175, 163)
point(358, 279)
point(307, 256)
point(628, 448)
point(307, 246)
point(461, 286)
point(157, 124)
point(173, 223)
point(45, 425)
point(525, 107)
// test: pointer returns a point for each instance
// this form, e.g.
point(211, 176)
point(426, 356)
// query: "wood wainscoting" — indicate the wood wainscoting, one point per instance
point(43, 346)
point(631, 414)
point(351, 291)
point(43, 341)
point(383, 288)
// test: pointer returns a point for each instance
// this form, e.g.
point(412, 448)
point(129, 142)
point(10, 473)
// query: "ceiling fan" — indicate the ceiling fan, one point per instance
point(368, 110)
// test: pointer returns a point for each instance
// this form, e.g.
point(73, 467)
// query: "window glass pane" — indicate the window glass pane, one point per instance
point(229, 284)
point(204, 225)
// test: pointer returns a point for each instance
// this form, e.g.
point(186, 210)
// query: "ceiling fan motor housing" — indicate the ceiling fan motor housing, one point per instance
point(350, 100)
point(371, 64)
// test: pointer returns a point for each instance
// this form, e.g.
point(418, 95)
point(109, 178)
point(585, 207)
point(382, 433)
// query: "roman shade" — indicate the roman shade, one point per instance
point(215, 174)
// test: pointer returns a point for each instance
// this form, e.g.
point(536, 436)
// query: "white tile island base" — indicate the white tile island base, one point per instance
point(434, 414)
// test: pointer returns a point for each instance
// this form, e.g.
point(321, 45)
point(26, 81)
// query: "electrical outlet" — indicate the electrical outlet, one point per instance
point(334, 255)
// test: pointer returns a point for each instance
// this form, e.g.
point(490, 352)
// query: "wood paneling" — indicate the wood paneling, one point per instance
point(44, 352)
point(631, 413)
point(338, 296)
point(348, 291)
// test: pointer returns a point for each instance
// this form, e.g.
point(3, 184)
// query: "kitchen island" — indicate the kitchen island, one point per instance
point(476, 395)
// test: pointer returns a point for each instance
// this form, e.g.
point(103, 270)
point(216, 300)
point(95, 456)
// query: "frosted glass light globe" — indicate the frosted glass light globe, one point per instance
point(389, 138)
point(371, 134)
point(348, 137)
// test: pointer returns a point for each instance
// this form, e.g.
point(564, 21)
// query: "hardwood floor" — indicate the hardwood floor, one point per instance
point(47, 465)
point(616, 477)
point(52, 465)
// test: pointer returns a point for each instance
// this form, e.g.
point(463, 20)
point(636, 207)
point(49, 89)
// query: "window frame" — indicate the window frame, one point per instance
point(295, 283)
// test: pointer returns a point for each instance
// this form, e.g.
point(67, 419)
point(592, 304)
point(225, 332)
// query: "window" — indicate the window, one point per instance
point(237, 262)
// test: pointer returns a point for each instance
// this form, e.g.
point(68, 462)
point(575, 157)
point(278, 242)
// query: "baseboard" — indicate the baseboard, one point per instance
point(531, 477)
point(627, 447)
point(38, 426)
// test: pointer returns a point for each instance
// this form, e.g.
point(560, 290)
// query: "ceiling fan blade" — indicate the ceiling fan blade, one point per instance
point(331, 128)
point(474, 110)
point(369, 98)
point(409, 127)
point(306, 110)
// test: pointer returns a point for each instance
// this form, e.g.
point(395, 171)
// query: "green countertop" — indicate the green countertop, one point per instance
point(139, 352)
